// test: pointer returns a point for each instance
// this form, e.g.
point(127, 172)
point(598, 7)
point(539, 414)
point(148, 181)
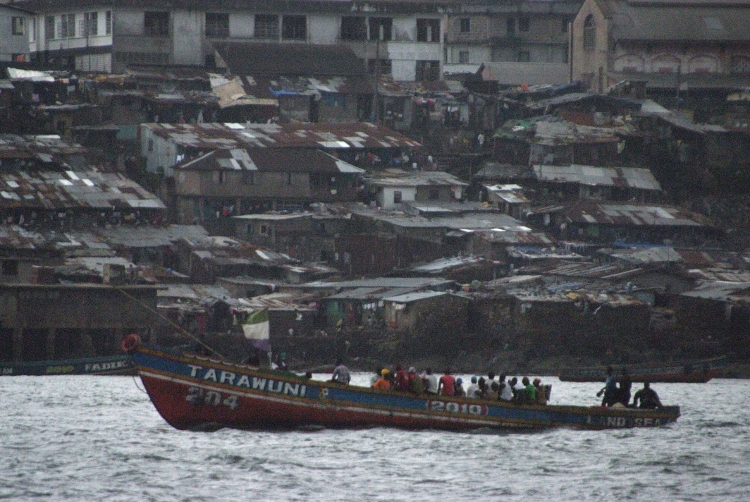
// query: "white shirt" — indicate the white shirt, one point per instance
point(471, 391)
point(432, 384)
point(507, 393)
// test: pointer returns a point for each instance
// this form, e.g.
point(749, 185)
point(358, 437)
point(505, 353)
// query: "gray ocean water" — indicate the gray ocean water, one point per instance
point(88, 438)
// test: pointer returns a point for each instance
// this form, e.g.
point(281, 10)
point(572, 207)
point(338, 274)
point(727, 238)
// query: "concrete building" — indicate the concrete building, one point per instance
point(404, 36)
point(678, 44)
point(522, 41)
point(16, 27)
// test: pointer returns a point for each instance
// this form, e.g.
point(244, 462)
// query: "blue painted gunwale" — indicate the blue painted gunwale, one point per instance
point(121, 364)
point(167, 373)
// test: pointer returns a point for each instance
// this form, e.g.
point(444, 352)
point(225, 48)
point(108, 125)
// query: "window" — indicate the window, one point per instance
point(524, 56)
point(108, 21)
point(294, 27)
point(265, 229)
point(353, 28)
point(90, 26)
point(434, 193)
point(510, 26)
point(49, 27)
point(396, 196)
point(428, 70)
point(18, 25)
point(428, 30)
point(156, 24)
point(463, 57)
point(381, 28)
point(221, 177)
point(465, 25)
point(248, 178)
point(67, 26)
point(589, 33)
point(266, 26)
point(524, 24)
point(564, 25)
point(217, 25)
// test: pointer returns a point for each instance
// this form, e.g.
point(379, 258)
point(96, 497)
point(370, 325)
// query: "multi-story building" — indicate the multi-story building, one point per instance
point(405, 37)
point(677, 44)
point(16, 25)
point(511, 34)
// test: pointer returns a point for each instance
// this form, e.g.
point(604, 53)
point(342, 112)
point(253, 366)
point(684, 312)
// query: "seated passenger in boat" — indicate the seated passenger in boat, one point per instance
point(382, 383)
point(402, 378)
point(447, 384)
point(415, 383)
point(648, 397)
point(541, 392)
point(506, 392)
point(430, 381)
point(376, 376)
point(530, 390)
point(472, 391)
point(458, 388)
point(341, 373)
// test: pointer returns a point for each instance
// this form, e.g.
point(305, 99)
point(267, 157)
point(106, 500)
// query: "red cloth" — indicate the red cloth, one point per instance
point(448, 385)
point(402, 380)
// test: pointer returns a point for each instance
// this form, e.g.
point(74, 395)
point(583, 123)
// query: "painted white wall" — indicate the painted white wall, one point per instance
point(385, 196)
point(188, 33)
point(241, 24)
point(323, 29)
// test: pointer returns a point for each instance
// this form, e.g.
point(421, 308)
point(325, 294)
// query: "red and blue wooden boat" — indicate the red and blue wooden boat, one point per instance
point(689, 372)
point(193, 392)
point(121, 364)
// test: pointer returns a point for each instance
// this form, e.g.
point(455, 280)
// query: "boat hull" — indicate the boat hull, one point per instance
point(111, 365)
point(198, 393)
point(695, 372)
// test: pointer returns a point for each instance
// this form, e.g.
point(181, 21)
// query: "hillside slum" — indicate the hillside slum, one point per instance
point(537, 222)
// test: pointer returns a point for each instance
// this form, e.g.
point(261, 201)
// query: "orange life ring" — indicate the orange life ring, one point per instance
point(130, 342)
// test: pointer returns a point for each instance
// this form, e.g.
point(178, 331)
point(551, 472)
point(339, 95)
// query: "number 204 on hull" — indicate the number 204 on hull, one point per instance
point(193, 392)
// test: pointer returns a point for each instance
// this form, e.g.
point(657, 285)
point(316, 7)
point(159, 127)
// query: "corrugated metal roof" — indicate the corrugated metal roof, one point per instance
point(598, 176)
point(587, 211)
point(658, 21)
point(269, 160)
point(48, 189)
point(413, 179)
point(415, 297)
point(211, 136)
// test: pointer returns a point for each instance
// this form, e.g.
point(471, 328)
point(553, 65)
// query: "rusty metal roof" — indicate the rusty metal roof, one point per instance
point(42, 147)
point(588, 211)
point(269, 160)
point(50, 189)
point(210, 136)
point(598, 176)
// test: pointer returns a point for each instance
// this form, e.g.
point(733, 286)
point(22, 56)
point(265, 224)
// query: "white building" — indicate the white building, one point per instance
point(101, 35)
point(15, 26)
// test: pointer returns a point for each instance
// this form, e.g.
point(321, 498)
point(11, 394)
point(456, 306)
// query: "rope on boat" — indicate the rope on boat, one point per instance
point(169, 321)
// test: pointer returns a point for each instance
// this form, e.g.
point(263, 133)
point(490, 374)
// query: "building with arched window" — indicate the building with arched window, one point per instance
point(671, 45)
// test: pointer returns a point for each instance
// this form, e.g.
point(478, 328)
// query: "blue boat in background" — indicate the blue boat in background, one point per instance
point(121, 364)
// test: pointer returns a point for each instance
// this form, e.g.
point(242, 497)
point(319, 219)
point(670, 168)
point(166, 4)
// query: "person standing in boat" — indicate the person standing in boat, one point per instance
point(623, 393)
point(610, 388)
point(341, 373)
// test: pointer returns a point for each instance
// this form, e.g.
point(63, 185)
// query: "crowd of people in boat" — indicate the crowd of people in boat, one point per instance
point(426, 383)
point(614, 395)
